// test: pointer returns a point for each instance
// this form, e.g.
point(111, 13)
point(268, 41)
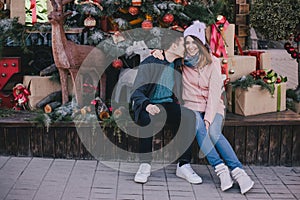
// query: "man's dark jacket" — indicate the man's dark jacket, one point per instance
point(148, 75)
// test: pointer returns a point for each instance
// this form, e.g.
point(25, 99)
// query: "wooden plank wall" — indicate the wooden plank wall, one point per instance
point(253, 144)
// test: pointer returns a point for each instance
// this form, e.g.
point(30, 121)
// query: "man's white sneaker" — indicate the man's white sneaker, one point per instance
point(143, 173)
point(186, 172)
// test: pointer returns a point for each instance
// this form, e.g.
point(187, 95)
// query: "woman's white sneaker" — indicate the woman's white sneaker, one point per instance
point(244, 181)
point(224, 175)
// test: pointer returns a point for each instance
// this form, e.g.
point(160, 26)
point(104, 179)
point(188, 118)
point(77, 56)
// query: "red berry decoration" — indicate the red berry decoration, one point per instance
point(168, 18)
point(278, 80)
point(291, 49)
point(117, 63)
point(294, 54)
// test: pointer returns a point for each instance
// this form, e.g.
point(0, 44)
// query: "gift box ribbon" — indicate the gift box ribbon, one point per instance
point(33, 10)
point(217, 43)
point(36, 11)
point(278, 97)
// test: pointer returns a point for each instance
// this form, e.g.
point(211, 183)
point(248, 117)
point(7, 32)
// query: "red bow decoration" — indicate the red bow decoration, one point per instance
point(217, 43)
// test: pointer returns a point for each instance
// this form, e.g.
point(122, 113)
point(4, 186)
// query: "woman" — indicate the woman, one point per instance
point(202, 91)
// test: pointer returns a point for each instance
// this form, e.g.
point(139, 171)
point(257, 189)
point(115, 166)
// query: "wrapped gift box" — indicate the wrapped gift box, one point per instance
point(263, 59)
point(21, 9)
point(239, 66)
point(256, 100)
point(228, 37)
point(42, 86)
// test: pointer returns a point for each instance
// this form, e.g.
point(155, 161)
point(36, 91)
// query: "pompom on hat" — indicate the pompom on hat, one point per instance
point(197, 29)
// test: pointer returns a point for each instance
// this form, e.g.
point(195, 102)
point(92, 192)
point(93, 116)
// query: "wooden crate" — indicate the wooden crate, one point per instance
point(242, 9)
point(242, 42)
point(242, 30)
point(241, 19)
point(240, 1)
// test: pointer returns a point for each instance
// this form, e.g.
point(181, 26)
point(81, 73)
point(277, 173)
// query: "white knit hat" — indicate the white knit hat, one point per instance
point(197, 29)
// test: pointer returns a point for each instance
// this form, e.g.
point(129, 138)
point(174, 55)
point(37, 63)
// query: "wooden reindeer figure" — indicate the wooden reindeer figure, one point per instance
point(68, 56)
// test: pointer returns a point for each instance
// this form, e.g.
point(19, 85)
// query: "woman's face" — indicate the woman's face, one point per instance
point(191, 46)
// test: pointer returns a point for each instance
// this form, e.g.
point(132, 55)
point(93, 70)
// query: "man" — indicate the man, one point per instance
point(157, 88)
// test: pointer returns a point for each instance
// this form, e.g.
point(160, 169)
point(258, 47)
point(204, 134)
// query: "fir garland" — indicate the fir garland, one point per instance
point(248, 81)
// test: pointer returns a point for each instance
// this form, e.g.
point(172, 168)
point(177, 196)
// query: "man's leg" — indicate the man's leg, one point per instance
point(145, 149)
point(183, 121)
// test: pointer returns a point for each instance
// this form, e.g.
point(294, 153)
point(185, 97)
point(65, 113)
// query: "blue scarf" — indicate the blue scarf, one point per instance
point(191, 61)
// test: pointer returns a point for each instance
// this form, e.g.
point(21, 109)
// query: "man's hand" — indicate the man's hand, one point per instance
point(152, 109)
point(207, 124)
point(156, 53)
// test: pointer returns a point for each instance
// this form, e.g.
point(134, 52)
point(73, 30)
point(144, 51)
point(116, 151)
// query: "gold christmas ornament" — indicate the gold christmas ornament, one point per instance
point(148, 17)
point(224, 61)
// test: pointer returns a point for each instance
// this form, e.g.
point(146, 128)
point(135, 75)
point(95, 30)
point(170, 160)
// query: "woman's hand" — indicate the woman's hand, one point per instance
point(156, 53)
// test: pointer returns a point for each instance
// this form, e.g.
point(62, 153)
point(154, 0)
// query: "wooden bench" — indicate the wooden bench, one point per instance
point(266, 139)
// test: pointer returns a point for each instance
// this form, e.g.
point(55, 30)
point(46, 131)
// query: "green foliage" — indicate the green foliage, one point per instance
point(11, 32)
point(275, 19)
point(290, 93)
point(249, 81)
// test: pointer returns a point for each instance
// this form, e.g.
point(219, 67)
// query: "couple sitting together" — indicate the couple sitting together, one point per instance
point(193, 105)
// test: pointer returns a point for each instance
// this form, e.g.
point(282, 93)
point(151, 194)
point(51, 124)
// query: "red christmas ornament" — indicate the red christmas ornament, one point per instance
point(117, 63)
point(168, 18)
point(147, 24)
point(294, 54)
point(185, 2)
point(133, 10)
point(178, 1)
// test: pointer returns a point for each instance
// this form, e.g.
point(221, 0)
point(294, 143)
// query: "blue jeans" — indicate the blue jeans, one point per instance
point(214, 145)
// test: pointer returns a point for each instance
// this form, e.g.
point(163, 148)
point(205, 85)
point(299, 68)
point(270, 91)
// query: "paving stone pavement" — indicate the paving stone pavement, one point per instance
point(26, 178)
point(284, 65)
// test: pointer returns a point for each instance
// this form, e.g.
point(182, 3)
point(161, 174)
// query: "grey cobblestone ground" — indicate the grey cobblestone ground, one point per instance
point(54, 179)
point(285, 65)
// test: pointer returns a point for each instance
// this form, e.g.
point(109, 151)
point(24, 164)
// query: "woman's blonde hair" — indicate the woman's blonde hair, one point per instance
point(204, 52)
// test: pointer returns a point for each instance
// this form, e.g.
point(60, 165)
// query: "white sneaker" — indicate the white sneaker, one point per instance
point(224, 175)
point(243, 179)
point(186, 172)
point(143, 173)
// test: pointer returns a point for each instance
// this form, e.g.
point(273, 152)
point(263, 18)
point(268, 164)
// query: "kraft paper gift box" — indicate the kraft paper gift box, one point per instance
point(228, 36)
point(239, 66)
point(41, 86)
point(21, 9)
point(255, 100)
point(263, 58)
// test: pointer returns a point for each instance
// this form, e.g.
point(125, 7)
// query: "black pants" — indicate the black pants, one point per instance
point(179, 118)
